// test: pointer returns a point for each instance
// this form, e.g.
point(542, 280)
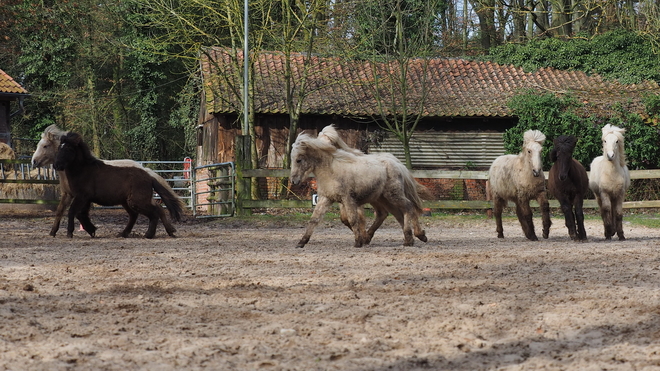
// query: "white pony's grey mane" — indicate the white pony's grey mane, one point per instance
point(324, 145)
point(533, 136)
point(611, 129)
point(330, 134)
point(53, 133)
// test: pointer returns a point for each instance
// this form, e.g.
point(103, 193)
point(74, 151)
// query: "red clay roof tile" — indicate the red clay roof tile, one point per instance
point(8, 85)
point(456, 87)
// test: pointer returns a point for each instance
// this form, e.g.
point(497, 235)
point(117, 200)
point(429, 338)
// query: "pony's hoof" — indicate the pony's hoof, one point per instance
point(300, 246)
point(423, 238)
point(533, 238)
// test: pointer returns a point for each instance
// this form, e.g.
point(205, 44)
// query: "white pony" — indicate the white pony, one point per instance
point(330, 135)
point(610, 179)
point(45, 154)
point(354, 179)
point(519, 179)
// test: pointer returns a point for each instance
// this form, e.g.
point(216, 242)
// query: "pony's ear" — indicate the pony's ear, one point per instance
point(553, 155)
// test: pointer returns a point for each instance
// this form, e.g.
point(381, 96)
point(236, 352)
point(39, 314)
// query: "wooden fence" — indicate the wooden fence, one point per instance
point(440, 204)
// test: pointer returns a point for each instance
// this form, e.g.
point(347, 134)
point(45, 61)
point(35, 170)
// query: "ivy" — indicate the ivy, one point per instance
point(556, 116)
point(626, 56)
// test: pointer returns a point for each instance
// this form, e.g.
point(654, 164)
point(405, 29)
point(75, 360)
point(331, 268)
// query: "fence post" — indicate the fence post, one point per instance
point(243, 161)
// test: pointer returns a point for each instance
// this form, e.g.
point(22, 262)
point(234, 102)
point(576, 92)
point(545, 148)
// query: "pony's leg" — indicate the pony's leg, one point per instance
point(79, 209)
point(319, 210)
point(343, 215)
point(132, 218)
point(380, 214)
point(498, 206)
point(153, 224)
point(65, 200)
point(545, 214)
point(524, 213)
point(605, 205)
point(83, 217)
point(169, 228)
point(579, 217)
point(618, 217)
point(569, 218)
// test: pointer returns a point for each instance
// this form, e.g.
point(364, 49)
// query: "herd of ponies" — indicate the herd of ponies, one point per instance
point(352, 178)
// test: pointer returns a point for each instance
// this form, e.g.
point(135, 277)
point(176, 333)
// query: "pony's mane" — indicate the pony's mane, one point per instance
point(330, 134)
point(53, 132)
point(565, 142)
point(322, 144)
point(533, 136)
point(612, 129)
point(75, 138)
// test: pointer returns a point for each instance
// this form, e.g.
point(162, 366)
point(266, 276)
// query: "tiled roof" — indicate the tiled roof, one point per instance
point(8, 85)
point(457, 87)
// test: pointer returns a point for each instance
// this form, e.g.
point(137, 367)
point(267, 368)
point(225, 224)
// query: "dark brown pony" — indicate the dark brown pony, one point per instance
point(92, 180)
point(568, 182)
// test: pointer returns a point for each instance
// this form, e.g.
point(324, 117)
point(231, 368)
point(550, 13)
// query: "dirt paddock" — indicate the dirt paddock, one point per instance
point(237, 295)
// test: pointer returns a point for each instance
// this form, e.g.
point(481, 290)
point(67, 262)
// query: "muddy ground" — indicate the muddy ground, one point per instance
point(237, 295)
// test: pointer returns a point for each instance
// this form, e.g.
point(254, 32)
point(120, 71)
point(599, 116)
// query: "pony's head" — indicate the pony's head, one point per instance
point(613, 144)
point(531, 151)
point(306, 154)
point(47, 146)
point(562, 154)
point(72, 151)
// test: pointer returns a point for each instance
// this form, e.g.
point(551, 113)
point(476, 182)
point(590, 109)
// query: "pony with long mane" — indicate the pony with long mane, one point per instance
point(330, 135)
point(45, 154)
point(92, 180)
point(354, 179)
point(568, 182)
point(519, 179)
point(610, 179)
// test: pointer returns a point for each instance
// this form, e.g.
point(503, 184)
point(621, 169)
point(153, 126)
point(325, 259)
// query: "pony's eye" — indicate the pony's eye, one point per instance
point(298, 161)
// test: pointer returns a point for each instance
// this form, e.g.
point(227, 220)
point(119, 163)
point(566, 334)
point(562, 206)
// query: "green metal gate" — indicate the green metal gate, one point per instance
point(214, 190)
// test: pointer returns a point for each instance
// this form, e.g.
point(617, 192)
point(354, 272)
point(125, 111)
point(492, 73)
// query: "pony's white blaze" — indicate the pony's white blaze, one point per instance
point(610, 144)
point(535, 150)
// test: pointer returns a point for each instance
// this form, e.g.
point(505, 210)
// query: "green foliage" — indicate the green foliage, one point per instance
point(86, 67)
point(627, 56)
point(556, 116)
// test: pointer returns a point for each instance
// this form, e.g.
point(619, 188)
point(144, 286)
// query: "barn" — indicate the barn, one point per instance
point(10, 91)
point(463, 115)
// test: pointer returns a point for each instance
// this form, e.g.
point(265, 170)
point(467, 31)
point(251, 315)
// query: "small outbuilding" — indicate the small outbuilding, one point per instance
point(10, 91)
point(463, 118)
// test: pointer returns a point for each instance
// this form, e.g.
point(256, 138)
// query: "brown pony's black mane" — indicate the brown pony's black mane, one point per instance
point(74, 139)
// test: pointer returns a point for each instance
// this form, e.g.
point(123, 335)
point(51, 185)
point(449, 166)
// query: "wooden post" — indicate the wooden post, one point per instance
point(243, 162)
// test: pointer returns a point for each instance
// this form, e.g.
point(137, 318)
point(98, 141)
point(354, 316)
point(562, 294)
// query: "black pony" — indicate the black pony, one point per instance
point(568, 182)
point(91, 180)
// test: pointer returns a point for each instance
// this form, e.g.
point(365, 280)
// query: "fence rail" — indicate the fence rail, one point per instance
point(184, 179)
point(441, 204)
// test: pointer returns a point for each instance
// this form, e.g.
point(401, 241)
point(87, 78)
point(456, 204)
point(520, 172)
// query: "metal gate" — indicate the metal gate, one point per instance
point(213, 190)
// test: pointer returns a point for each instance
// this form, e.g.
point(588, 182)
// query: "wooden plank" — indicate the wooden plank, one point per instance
point(30, 181)
point(22, 201)
point(252, 204)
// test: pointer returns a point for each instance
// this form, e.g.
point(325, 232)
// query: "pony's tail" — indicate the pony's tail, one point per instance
point(172, 201)
point(412, 189)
